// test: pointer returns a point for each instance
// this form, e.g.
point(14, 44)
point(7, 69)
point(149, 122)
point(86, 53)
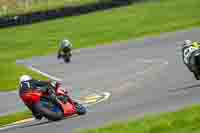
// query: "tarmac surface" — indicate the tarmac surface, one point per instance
point(144, 76)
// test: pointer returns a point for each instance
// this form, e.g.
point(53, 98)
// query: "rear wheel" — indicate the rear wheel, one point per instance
point(49, 110)
point(196, 65)
point(67, 59)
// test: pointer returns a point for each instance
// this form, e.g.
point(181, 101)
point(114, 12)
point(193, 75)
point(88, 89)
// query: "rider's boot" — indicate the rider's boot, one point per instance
point(37, 116)
point(35, 113)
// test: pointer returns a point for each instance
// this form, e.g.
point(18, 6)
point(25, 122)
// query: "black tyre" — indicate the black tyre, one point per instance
point(196, 75)
point(35, 113)
point(195, 61)
point(67, 59)
point(52, 113)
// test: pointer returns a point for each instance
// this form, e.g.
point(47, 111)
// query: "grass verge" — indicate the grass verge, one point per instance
point(136, 20)
point(4, 120)
point(184, 121)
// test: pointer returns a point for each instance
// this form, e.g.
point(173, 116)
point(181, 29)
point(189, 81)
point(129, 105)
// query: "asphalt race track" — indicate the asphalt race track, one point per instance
point(145, 75)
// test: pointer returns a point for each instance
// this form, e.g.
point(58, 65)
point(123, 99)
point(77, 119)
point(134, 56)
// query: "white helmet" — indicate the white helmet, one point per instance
point(187, 43)
point(25, 78)
point(66, 43)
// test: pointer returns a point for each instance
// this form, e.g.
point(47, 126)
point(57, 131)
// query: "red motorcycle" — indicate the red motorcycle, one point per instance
point(63, 107)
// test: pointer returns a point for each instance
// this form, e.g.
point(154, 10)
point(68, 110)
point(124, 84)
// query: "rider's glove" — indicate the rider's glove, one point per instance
point(53, 84)
point(52, 95)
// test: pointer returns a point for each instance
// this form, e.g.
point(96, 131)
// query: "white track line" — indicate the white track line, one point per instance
point(16, 124)
point(43, 73)
point(106, 96)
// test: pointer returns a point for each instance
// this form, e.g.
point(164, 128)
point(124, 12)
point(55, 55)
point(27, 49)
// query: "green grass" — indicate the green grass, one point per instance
point(184, 121)
point(14, 7)
point(4, 120)
point(90, 30)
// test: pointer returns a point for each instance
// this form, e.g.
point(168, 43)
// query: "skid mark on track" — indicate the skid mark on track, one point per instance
point(134, 80)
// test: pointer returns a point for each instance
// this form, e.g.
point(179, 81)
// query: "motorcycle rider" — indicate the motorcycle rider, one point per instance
point(190, 48)
point(27, 82)
point(65, 47)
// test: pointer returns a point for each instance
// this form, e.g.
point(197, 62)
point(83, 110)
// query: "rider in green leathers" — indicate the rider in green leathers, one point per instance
point(65, 48)
point(191, 57)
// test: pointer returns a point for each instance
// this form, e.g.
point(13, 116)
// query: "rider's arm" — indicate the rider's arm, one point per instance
point(42, 85)
point(183, 50)
point(59, 51)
